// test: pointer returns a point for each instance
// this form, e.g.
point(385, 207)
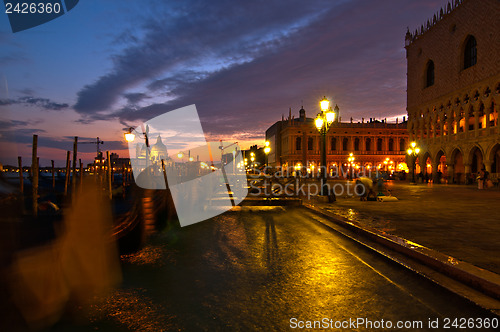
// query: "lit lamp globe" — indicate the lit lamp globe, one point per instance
point(319, 122)
point(330, 117)
point(324, 104)
point(129, 137)
point(180, 155)
point(267, 149)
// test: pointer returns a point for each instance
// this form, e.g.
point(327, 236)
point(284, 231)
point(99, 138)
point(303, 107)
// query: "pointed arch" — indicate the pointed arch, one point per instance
point(476, 159)
point(457, 160)
point(494, 158)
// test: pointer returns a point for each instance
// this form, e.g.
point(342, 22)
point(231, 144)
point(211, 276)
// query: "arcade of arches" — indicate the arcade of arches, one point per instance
point(459, 165)
point(459, 136)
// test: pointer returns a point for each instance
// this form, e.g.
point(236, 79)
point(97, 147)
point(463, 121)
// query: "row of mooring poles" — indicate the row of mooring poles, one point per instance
point(71, 173)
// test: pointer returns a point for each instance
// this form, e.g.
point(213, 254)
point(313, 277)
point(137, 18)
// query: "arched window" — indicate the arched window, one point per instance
point(356, 144)
point(368, 144)
point(402, 144)
point(333, 144)
point(298, 143)
point(391, 144)
point(429, 76)
point(310, 143)
point(470, 52)
point(379, 144)
point(344, 144)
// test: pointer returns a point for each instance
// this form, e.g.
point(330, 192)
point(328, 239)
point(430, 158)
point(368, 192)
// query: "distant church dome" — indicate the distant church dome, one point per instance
point(159, 150)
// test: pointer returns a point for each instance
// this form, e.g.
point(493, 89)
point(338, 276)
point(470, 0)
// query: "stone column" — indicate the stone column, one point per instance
point(476, 123)
point(441, 129)
point(435, 178)
point(487, 117)
point(467, 174)
point(466, 125)
point(451, 172)
point(448, 125)
point(487, 165)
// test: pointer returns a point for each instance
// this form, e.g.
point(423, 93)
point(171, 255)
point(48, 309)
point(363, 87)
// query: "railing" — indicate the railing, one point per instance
point(346, 153)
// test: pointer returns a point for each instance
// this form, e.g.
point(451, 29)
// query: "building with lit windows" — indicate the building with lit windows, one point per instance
point(454, 89)
point(373, 143)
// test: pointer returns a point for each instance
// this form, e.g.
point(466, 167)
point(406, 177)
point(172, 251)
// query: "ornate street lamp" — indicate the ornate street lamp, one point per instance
point(130, 137)
point(351, 161)
point(323, 121)
point(267, 149)
point(413, 152)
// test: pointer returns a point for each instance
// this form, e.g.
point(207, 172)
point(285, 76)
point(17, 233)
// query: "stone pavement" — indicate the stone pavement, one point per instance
point(460, 221)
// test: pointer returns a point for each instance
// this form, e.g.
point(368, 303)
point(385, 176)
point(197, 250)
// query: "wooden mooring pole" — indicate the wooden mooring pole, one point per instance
point(53, 175)
point(81, 172)
point(34, 171)
point(110, 189)
point(66, 181)
point(21, 177)
point(73, 179)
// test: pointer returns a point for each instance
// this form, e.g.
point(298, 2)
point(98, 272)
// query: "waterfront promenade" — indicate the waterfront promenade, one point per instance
point(460, 221)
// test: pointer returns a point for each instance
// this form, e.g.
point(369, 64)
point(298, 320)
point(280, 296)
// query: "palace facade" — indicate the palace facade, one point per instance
point(454, 90)
point(297, 142)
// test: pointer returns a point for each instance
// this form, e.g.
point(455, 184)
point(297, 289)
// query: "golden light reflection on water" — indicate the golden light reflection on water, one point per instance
point(414, 244)
point(351, 214)
point(232, 243)
point(149, 255)
point(133, 310)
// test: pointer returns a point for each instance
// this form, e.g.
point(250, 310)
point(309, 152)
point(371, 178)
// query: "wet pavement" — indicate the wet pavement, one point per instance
point(257, 268)
point(460, 221)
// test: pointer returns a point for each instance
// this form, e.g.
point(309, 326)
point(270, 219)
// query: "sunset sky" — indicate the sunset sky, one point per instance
point(106, 65)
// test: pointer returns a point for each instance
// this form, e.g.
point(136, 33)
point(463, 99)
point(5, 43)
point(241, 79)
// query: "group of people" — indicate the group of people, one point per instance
point(483, 180)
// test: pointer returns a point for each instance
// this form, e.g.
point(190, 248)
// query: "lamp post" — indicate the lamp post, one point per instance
point(267, 149)
point(386, 161)
point(413, 152)
point(351, 161)
point(130, 137)
point(323, 121)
